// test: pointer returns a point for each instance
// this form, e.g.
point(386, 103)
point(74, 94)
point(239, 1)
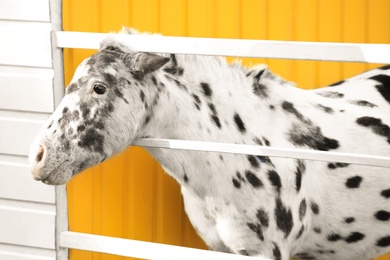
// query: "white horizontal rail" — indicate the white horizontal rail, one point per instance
point(139, 249)
point(351, 52)
point(361, 159)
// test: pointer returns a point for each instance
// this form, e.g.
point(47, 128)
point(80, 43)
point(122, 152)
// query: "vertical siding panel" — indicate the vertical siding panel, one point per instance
point(354, 30)
point(145, 15)
point(280, 27)
point(254, 24)
point(329, 30)
point(227, 19)
point(305, 29)
point(200, 18)
point(378, 23)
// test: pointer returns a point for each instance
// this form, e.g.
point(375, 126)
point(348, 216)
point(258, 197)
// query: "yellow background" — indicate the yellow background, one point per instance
point(129, 196)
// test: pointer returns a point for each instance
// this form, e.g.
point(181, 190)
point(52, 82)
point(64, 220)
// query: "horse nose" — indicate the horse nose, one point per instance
point(38, 164)
point(40, 153)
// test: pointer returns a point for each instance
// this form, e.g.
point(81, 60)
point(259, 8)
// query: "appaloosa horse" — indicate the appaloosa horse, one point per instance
point(252, 205)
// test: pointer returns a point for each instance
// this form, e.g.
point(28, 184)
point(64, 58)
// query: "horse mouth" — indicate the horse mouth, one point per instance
point(50, 179)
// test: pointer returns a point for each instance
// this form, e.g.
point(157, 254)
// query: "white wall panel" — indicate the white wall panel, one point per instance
point(16, 135)
point(27, 10)
point(26, 89)
point(25, 44)
point(23, 186)
point(16, 252)
point(28, 227)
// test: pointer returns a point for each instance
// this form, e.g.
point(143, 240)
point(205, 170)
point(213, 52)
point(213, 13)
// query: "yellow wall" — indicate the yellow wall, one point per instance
point(130, 196)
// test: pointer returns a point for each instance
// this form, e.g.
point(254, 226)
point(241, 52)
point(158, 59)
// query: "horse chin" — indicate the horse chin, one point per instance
point(58, 177)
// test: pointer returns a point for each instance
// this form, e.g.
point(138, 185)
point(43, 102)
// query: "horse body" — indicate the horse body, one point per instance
point(245, 204)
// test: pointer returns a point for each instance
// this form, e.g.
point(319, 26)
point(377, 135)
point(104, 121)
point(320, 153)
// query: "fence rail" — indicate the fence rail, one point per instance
point(348, 52)
point(329, 51)
point(140, 249)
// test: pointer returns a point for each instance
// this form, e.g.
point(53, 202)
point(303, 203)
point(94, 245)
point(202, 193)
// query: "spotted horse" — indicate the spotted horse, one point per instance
point(273, 208)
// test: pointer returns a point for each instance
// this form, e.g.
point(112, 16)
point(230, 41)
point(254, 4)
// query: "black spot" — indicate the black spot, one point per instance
point(354, 237)
point(65, 110)
point(109, 79)
point(382, 79)
point(174, 69)
point(386, 193)
point(221, 157)
point(337, 165)
point(323, 252)
point(197, 101)
point(236, 183)
point(385, 67)
point(214, 116)
point(99, 125)
point(92, 140)
point(255, 227)
point(304, 255)
point(119, 94)
point(333, 237)
point(253, 161)
point(147, 120)
point(300, 232)
point(376, 126)
point(262, 216)
point(353, 182)
point(80, 128)
point(72, 88)
point(362, 103)
point(298, 174)
point(264, 159)
point(326, 109)
point(349, 220)
point(331, 94)
point(272, 107)
point(239, 123)
point(267, 143)
point(257, 141)
point(274, 178)
point(243, 252)
point(337, 83)
point(185, 177)
point(206, 90)
point(107, 109)
point(306, 133)
point(50, 125)
point(382, 215)
point(383, 242)
point(318, 230)
point(284, 218)
point(260, 90)
point(315, 208)
point(384, 87)
point(302, 209)
point(276, 252)
point(142, 95)
point(253, 180)
point(84, 110)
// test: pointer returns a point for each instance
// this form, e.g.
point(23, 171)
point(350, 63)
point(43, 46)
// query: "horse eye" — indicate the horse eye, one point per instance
point(99, 88)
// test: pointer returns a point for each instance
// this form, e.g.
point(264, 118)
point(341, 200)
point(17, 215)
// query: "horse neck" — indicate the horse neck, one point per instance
point(206, 103)
point(201, 95)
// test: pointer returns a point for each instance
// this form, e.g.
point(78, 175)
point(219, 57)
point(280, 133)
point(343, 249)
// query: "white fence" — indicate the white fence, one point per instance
point(369, 53)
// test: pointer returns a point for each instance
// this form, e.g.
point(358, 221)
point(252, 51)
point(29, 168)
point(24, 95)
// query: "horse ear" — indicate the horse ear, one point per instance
point(145, 62)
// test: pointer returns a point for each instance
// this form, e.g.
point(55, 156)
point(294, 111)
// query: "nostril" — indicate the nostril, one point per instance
point(40, 153)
